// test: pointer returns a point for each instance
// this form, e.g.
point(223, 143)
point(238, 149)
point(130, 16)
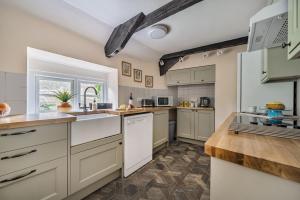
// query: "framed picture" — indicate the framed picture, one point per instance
point(126, 69)
point(149, 81)
point(137, 75)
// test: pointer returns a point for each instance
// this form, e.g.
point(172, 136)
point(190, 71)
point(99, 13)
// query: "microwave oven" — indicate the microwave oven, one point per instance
point(163, 100)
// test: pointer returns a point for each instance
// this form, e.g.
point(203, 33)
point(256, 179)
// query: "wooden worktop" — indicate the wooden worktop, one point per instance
point(276, 156)
point(27, 120)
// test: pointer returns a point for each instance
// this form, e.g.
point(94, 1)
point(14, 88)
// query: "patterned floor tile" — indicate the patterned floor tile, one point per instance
point(178, 172)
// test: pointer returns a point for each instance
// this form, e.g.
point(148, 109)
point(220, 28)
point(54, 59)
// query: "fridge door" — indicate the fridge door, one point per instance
point(251, 92)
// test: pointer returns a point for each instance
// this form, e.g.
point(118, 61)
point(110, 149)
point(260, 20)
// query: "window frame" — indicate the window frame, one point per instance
point(75, 87)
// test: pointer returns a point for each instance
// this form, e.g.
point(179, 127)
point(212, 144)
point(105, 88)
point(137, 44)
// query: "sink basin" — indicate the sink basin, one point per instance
point(93, 127)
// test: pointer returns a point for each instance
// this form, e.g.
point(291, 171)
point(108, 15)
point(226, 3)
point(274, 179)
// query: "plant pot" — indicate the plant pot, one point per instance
point(64, 107)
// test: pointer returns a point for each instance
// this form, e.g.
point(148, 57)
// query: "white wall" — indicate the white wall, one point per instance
point(20, 30)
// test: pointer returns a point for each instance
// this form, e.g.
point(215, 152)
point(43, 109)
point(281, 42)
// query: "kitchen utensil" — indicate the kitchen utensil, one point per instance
point(204, 102)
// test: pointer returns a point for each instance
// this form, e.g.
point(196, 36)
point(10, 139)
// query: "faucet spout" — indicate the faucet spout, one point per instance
point(84, 97)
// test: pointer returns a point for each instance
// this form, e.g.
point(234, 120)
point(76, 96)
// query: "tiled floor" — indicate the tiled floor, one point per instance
point(179, 172)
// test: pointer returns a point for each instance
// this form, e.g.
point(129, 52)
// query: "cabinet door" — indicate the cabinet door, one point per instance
point(160, 128)
point(203, 75)
point(94, 164)
point(42, 182)
point(204, 124)
point(179, 77)
point(294, 29)
point(185, 123)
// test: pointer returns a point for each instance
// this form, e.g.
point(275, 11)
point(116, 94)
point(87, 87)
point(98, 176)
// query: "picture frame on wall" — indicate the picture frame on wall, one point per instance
point(148, 81)
point(126, 69)
point(138, 75)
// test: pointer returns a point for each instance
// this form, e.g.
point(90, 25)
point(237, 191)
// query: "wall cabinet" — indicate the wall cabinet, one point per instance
point(160, 128)
point(91, 165)
point(195, 124)
point(196, 75)
point(276, 67)
point(47, 181)
point(179, 77)
point(293, 29)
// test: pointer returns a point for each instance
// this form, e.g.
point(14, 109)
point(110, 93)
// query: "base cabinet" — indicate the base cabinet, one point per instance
point(93, 164)
point(195, 124)
point(160, 128)
point(47, 181)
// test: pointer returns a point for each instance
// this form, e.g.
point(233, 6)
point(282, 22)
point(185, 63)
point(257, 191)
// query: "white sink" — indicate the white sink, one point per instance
point(92, 127)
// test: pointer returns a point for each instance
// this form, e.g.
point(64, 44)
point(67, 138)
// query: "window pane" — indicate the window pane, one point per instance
point(91, 93)
point(50, 86)
point(47, 101)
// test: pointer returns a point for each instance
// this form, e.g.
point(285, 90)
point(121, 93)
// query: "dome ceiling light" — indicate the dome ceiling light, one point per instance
point(158, 31)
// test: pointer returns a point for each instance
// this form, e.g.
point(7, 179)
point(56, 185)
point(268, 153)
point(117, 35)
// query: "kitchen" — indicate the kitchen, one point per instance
point(77, 102)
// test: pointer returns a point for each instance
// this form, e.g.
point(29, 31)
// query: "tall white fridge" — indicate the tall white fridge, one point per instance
point(250, 90)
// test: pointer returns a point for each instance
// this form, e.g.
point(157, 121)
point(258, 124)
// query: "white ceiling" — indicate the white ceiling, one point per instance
point(205, 23)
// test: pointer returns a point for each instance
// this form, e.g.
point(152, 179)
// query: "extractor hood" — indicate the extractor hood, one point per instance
point(268, 28)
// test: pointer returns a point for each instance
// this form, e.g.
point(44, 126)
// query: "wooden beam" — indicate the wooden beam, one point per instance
point(169, 60)
point(121, 34)
point(165, 11)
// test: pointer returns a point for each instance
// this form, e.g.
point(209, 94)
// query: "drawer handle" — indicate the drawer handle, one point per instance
point(17, 133)
point(120, 143)
point(18, 177)
point(19, 155)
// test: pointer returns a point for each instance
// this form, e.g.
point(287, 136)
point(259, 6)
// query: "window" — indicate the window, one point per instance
point(90, 95)
point(47, 85)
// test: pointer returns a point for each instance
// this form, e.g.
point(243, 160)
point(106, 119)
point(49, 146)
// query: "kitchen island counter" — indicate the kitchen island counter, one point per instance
point(273, 155)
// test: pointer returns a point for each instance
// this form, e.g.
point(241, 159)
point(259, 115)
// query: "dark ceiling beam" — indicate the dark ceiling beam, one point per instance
point(169, 60)
point(165, 11)
point(122, 33)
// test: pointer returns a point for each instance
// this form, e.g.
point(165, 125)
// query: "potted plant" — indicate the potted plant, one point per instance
point(64, 96)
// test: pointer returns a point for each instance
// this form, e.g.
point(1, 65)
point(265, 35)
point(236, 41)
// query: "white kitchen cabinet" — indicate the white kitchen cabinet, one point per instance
point(293, 29)
point(91, 165)
point(47, 181)
point(185, 123)
point(204, 124)
point(195, 124)
point(160, 128)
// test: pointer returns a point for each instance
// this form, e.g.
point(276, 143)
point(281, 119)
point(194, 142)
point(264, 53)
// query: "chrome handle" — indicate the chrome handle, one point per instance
point(17, 133)
point(283, 45)
point(19, 155)
point(18, 177)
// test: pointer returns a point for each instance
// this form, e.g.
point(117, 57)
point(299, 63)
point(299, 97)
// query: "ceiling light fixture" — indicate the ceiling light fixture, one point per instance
point(220, 52)
point(158, 31)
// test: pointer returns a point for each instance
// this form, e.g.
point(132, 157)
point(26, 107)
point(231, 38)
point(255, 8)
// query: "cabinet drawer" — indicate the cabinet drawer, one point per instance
point(42, 182)
point(13, 139)
point(91, 165)
point(22, 158)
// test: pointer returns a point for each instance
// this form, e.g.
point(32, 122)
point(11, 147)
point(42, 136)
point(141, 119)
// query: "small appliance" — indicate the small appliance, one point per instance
point(104, 105)
point(204, 102)
point(163, 100)
point(147, 103)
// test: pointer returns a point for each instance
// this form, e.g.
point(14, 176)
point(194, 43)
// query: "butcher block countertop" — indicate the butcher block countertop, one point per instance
point(20, 121)
point(276, 156)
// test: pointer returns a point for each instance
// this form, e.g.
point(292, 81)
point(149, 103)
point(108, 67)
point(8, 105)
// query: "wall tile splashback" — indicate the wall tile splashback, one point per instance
point(144, 93)
point(194, 92)
point(13, 91)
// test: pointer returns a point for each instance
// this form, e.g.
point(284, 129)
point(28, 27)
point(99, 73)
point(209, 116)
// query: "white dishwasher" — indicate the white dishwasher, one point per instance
point(138, 141)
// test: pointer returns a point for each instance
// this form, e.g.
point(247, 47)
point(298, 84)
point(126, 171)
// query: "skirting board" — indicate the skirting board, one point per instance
point(197, 142)
point(95, 186)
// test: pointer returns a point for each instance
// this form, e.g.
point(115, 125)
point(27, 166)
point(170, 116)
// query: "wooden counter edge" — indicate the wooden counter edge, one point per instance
point(278, 169)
